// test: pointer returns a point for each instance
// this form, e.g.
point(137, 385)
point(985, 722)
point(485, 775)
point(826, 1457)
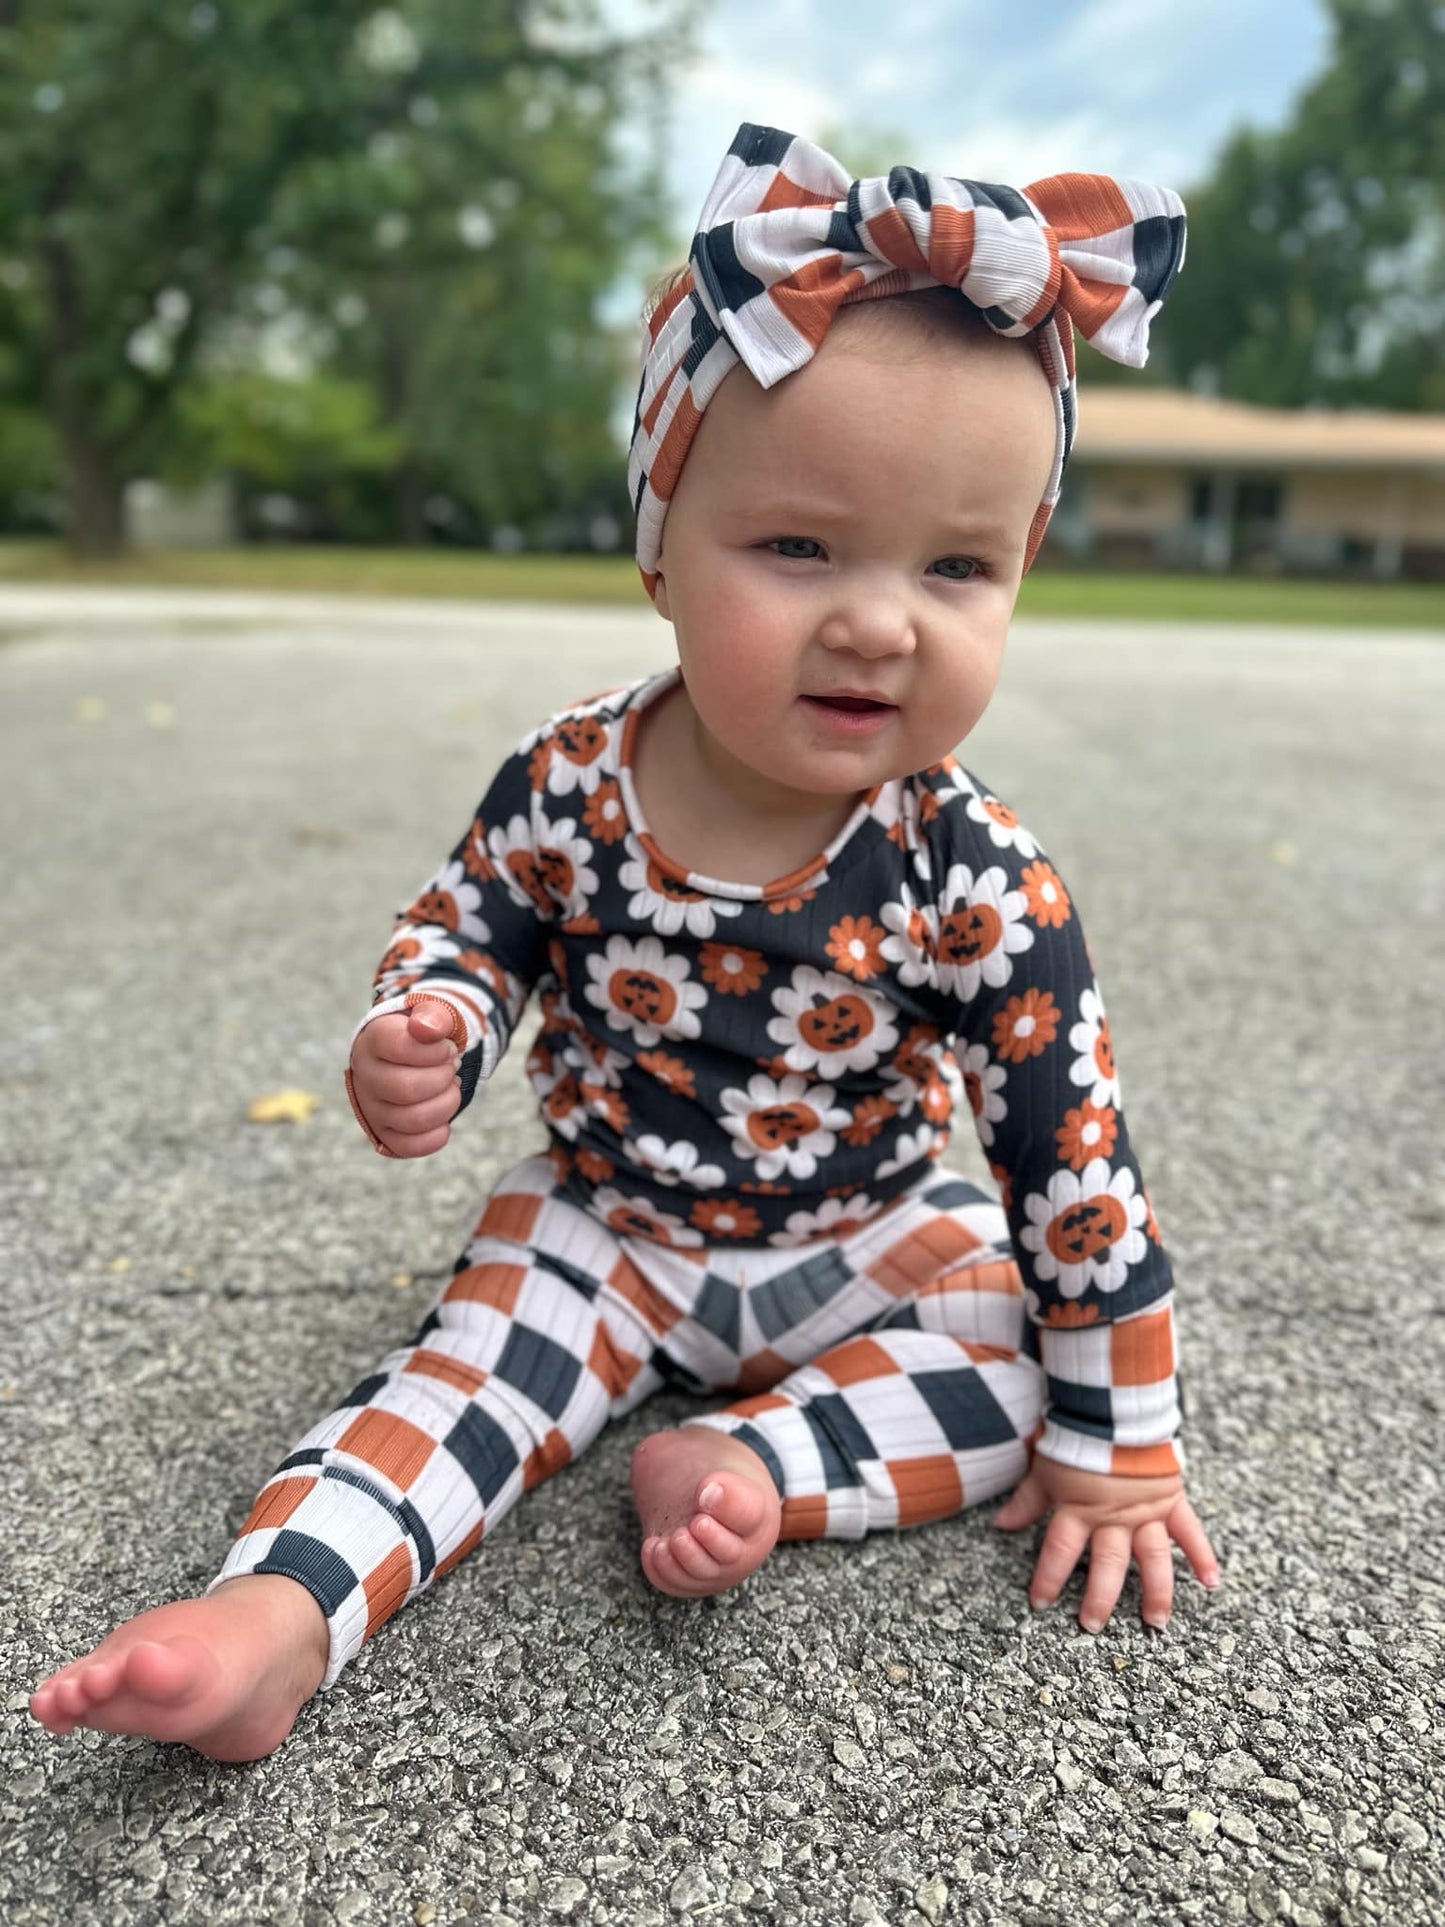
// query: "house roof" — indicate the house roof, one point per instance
point(1173, 426)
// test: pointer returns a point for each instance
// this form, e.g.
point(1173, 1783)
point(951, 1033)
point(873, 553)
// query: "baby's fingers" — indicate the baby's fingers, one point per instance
point(1185, 1529)
point(1065, 1539)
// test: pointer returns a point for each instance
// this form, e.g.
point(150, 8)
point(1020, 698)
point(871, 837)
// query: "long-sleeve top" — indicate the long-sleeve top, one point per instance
point(774, 1063)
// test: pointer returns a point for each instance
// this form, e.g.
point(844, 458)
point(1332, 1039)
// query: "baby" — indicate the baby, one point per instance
point(777, 933)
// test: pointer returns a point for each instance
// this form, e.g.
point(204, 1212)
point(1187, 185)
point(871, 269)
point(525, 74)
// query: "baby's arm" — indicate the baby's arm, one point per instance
point(451, 989)
point(1038, 1060)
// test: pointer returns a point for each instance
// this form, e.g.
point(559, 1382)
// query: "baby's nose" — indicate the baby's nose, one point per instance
point(870, 625)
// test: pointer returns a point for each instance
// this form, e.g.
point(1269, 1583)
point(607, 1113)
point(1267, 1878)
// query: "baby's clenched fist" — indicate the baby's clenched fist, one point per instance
point(404, 1081)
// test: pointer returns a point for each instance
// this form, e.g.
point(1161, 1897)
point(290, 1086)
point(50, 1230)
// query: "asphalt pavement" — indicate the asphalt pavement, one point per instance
point(212, 807)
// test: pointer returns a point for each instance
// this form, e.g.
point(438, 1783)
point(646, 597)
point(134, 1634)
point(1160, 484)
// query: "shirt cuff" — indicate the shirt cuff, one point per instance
point(471, 1026)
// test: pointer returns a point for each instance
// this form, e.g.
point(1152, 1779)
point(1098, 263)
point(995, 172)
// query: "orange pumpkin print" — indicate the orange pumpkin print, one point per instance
point(781, 1124)
point(965, 936)
point(522, 868)
point(1087, 1228)
point(555, 868)
point(581, 739)
point(435, 906)
point(650, 999)
point(837, 1025)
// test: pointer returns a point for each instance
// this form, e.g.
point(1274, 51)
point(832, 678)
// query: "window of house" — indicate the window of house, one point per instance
point(1260, 501)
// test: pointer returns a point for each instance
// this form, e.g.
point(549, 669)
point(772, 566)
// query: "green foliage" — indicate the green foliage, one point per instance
point(1316, 261)
point(427, 195)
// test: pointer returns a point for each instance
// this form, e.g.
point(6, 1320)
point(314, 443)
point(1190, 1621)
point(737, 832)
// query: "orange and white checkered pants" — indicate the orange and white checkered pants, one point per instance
point(889, 1377)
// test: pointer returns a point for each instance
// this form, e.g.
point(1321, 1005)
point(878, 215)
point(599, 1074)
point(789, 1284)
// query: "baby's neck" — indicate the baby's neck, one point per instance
point(711, 814)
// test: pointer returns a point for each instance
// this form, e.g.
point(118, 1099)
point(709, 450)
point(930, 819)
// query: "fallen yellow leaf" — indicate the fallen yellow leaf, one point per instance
point(282, 1107)
point(119, 1264)
point(90, 709)
point(1283, 852)
point(403, 1280)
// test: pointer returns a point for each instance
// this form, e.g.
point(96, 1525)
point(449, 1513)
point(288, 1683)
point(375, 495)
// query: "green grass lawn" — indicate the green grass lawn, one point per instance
point(614, 580)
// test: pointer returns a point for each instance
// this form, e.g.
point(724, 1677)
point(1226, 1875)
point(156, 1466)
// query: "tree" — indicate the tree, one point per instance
point(1316, 260)
point(162, 168)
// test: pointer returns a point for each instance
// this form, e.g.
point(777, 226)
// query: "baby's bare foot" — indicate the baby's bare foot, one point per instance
point(709, 1510)
point(226, 1673)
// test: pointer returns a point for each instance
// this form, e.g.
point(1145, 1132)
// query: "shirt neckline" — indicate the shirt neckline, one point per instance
point(647, 692)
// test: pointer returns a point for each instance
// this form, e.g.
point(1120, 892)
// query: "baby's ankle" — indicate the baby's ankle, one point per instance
point(293, 1616)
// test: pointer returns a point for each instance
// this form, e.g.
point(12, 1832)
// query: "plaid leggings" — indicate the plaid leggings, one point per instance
point(890, 1377)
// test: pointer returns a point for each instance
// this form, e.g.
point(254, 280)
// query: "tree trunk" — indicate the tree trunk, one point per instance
point(95, 495)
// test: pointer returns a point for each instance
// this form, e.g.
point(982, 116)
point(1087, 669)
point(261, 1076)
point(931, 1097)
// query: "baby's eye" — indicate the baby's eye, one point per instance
point(952, 567)
point(796, 548)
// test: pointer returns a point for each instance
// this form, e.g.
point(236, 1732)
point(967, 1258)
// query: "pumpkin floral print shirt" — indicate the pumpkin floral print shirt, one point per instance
point(769, 1064)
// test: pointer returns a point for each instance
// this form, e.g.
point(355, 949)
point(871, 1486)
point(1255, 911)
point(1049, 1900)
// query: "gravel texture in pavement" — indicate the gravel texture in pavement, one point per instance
point(211, 814)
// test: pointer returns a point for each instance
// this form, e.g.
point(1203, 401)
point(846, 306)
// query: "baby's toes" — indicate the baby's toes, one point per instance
point(733, 1501)
point(695, 1561)
point(69, 1700)
point(714, 1537)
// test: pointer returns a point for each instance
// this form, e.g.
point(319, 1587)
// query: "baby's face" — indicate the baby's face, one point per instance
point(859, 527)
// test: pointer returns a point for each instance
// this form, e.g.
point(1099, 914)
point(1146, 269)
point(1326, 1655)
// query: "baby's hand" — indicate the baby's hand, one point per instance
point(1114, 1517)
point(404, 1079)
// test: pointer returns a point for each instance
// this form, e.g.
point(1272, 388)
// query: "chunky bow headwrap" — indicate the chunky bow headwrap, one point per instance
point(786, 238)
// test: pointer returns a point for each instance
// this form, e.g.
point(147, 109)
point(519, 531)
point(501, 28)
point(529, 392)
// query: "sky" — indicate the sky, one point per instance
point(998, 90)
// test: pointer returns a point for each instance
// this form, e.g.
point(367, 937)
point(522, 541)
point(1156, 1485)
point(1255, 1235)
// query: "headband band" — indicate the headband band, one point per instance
point(786, 237)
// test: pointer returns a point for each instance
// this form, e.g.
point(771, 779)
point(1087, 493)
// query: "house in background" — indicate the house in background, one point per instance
point(1163, 478)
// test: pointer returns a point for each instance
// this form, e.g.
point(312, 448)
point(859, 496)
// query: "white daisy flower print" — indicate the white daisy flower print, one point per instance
point(785, 1124)
point(576, 752)
point(1093, 1069)
point(912, 938)
point(515, 861)
point(956, 780)
point(981, 929)
point(1005, 832)
point(667, 903)
point(639, 1217)
point(639, 987)
point(909, 1149)
point(673, 1163)
point(453, 900)
point(984, 1082)
point(1086, 1229)
point(563, 857)
point(827, 1022)
point(416, 948)
point(834, 1218)
point(596, 1061)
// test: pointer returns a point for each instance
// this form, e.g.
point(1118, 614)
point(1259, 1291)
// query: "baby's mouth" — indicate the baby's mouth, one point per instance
point(852, 704)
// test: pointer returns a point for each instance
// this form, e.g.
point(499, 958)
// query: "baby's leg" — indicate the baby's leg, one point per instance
point(921, 1415)
point(517, 1368)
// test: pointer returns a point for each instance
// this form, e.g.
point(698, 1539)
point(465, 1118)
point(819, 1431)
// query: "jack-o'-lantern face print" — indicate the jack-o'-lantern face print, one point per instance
point(966, 936)
point(837, 1025)
point(522, 866)
point(1085, 1230)
point(671, 887)
point(1104, 1053)
point(563, 1098)
point(581, 739)
point(650, 999)
point(557, 872)
point(436, 906)
point(781, 1124)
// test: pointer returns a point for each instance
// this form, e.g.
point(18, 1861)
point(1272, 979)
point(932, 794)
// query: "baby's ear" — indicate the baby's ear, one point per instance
point(660, 602)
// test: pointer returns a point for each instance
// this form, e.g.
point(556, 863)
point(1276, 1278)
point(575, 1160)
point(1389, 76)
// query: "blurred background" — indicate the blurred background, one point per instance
point(325, 294)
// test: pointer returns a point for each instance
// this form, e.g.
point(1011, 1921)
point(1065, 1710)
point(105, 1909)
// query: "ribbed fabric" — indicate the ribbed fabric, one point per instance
point(888, 1378)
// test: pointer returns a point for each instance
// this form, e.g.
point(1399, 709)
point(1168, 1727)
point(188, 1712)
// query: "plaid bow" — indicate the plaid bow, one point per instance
point(787, 237)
